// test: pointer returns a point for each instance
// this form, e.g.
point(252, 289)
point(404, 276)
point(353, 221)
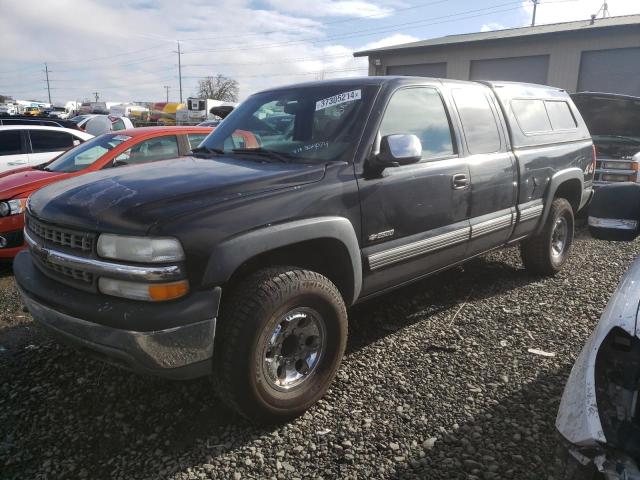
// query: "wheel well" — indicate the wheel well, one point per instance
point(571, 191)
point(326, 256)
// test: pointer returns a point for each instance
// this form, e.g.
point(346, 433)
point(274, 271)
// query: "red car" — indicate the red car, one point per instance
point(124, 147)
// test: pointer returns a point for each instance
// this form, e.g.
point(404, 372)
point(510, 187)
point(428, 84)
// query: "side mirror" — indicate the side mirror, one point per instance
point(396, 150)
point(614, 212)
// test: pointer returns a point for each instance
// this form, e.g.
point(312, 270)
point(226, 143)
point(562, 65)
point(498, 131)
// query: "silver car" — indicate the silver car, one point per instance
point(599, 416)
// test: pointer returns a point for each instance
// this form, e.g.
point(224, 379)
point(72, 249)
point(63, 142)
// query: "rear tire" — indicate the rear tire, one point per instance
point(547, 252)
point(279, 344)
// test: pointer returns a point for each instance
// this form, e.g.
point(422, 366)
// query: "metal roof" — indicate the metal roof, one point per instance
point(554, 28)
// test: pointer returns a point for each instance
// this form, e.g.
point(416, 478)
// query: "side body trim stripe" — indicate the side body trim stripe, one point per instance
point(531, 212)
point(492, 225)
point(404, 252)
point(398, 254)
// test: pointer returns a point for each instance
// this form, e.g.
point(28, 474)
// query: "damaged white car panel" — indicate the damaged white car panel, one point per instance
point(599, 406)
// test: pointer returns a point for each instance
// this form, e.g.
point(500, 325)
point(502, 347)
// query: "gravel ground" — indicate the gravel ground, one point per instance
point(437, 383)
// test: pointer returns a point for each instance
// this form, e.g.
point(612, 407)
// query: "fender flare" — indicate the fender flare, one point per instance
point(230, 254)
point(558, 179)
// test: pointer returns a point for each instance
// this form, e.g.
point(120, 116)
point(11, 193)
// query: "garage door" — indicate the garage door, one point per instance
point(613, 71)
point(531, 69)
point(438, 70)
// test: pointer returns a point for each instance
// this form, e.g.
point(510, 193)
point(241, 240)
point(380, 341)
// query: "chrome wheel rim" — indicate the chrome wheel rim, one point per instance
point(292, 352)
point(559, 237)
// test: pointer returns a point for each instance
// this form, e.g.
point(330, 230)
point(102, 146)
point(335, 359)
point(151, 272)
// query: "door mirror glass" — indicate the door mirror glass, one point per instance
point(614, 213)
point(396, 150)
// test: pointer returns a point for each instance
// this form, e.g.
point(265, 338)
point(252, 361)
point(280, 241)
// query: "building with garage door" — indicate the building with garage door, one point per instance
point(601, 55)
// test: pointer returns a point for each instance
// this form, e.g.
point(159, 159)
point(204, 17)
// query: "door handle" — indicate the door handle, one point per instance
point(459, 181)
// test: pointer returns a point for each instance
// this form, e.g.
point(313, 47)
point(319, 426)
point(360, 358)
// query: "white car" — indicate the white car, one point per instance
point(117, 123)
point(8, 109)
point(30, 145)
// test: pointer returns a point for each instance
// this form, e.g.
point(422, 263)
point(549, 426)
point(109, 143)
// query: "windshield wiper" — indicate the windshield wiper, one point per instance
point(44, 168)
point(279, 156)
point(209, 150)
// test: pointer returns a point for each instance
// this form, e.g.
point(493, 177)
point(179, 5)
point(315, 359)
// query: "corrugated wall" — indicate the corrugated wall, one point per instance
point(564, 52)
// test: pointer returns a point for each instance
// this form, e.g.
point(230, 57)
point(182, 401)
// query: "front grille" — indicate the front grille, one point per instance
point(76, 243)
point(61, 236)
point(72, 273)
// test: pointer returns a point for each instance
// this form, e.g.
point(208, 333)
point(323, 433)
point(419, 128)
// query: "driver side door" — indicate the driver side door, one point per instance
point(415, 217)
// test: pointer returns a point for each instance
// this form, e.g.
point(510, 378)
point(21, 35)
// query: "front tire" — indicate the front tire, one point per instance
point(279, 344)
point(547, 252)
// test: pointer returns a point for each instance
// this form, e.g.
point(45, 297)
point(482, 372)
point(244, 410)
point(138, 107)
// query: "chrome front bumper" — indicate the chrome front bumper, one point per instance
point(182, 352)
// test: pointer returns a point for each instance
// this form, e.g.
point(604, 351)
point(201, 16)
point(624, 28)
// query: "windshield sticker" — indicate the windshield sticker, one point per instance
point(338, 99)
point(313, 146)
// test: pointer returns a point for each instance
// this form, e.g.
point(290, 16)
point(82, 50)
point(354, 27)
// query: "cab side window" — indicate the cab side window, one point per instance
point(421, 112)
point(478, 121)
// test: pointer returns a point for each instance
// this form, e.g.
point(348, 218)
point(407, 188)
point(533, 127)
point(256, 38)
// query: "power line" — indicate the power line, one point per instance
point(265, 75)
point(262, 62)
point(324, 24)
point(375, 31)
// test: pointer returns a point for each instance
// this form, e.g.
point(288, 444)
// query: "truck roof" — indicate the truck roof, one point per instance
point(408, 80)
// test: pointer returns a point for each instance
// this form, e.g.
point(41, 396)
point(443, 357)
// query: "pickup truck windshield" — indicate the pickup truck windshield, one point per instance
point(84, 155)
point(308, 124)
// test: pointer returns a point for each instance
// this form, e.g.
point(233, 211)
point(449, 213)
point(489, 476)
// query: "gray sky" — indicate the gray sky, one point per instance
point(124, 49)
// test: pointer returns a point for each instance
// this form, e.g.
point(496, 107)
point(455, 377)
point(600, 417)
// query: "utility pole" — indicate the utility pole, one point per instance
point(97, 95)
point(166, 87)
point(605, 12)
point(535, 7)
point(46, 71)
point(179, 52)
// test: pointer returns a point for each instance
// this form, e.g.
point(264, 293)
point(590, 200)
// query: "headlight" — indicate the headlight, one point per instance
point(12, 207)
point(151, 292)
point(618, 166)
point(607, 177)
point(140, 249)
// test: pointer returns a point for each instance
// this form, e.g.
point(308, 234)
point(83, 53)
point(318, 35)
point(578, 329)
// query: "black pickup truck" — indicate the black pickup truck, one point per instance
point(240, 261)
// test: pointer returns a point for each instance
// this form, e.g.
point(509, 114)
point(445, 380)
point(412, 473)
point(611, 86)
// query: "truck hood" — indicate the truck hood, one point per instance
point(19, 183)
point(609, 114)
point(132, 199)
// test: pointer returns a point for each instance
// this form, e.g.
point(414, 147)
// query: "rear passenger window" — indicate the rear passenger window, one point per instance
point(531, 116)
point(478, 120)
point(560, 115)
point(420, 111)
point(10, 142)
point(49, 141)
point(152, 150)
